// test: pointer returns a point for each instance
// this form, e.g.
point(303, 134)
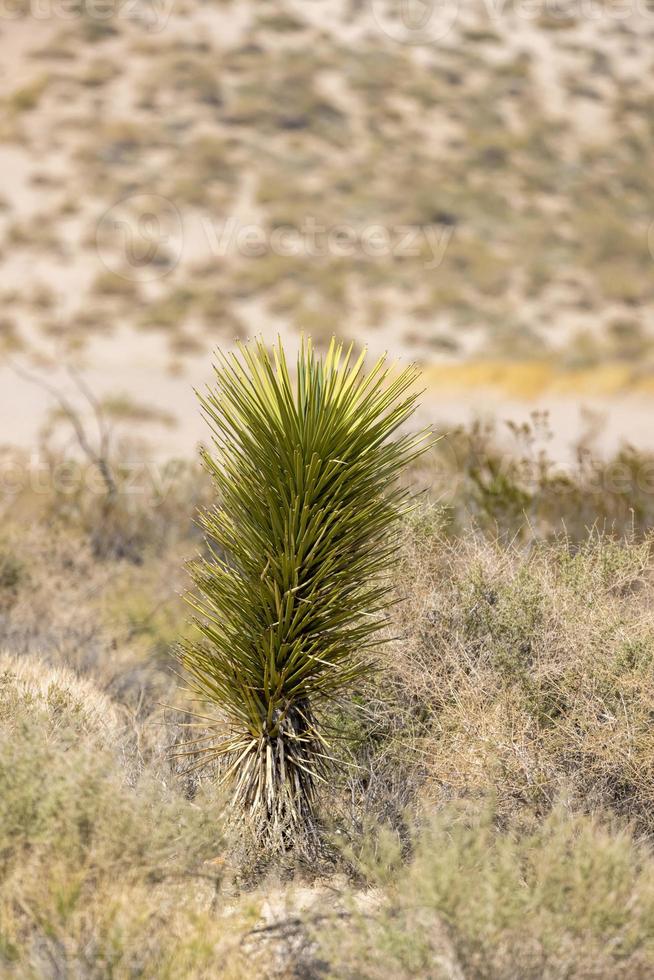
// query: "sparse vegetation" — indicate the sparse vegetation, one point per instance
point(496, 770)
point(268, 115)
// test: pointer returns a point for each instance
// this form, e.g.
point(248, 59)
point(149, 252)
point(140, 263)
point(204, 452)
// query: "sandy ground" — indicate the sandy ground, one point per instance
point(137, 366)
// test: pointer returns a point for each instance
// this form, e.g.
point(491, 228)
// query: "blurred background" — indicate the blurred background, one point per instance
point(468, 185)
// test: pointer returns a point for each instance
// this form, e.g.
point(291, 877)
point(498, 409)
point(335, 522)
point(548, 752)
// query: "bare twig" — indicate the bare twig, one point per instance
point(99, 459)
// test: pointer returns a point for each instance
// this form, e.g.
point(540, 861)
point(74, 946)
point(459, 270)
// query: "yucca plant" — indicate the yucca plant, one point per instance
point(295, 585)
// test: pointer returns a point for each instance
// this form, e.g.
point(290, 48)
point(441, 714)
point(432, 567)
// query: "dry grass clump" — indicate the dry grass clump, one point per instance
point(105, 868)
point(529, 672)
point(57, 696)
point(570, 899)
point(152, 509)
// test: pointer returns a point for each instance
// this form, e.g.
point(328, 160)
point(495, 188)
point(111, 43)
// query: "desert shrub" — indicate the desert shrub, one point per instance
point(151, 510)
point(289, 102)
point(568, 899)
point(11, 340)
point(527, 674)
point(109, 284)
point(187, 70)
point(508, 484)
point(144, 614)
point(13, 574)
point(109, 619)
point(27, 98)
point(105, 869)
point(54, 696)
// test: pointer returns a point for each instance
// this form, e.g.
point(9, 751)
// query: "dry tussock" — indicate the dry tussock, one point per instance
point(106, 869)
point(57, 694)
point(528, 672)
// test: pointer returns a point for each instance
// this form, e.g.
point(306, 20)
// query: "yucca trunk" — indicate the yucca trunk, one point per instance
point(277, 784)
point(295, 589)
